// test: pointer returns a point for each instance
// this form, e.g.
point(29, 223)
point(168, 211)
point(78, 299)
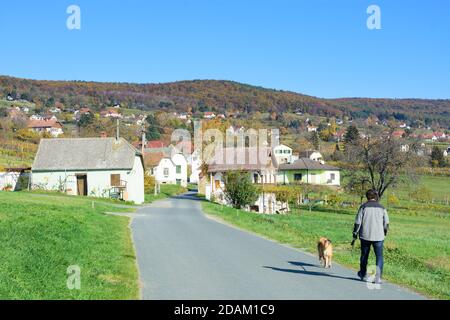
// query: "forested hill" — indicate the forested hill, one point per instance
point(218, 96)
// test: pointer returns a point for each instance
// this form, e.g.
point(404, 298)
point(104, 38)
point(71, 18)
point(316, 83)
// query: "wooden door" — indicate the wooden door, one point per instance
point(82, 185)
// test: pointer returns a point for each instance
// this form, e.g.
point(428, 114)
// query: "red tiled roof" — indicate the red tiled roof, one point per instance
point(153, 159)
point(44, 124)
point(155, 144)
point(398, 133)
point(85, 110)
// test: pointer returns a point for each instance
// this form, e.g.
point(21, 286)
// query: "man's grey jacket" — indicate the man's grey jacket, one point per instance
point(372, 222)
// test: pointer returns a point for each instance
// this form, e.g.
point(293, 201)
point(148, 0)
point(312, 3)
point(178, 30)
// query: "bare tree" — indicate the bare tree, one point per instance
point(381, 162)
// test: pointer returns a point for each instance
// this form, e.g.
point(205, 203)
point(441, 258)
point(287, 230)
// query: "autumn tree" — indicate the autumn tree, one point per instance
point(380, 163)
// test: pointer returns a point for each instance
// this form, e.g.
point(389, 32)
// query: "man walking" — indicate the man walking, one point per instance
point(371, 224)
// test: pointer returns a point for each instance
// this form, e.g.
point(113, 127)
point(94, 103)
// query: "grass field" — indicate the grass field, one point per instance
point(417, 249)
point(42, 235)
point(167, 190)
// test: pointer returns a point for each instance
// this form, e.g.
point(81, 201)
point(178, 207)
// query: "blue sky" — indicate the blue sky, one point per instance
point(316, 47)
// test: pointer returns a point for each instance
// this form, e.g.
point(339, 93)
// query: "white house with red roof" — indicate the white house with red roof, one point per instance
point(209, 115)
point(51, 126)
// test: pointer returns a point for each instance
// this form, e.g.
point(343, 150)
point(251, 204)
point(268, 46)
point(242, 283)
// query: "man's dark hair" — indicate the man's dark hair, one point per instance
point(372, 195)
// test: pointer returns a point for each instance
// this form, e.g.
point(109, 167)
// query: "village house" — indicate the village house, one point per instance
point(305, 170)
point(339, 135)
point(98, 167)
point(166, 168)
point(209, 115)
point(312, 128)
point(283, 154)
point(259, 166)
point(111, 113)
point(312, 155)
point(51, 126)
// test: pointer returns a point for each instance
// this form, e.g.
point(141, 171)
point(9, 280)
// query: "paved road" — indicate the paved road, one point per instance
point(184, 255)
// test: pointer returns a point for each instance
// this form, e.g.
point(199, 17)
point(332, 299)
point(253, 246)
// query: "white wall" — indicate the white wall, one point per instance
point(135, 182)
point(158, 171)
point(180, 160)
point(314, 177)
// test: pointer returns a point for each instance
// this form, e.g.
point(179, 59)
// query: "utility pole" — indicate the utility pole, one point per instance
point(143, 139)
point(117, 130)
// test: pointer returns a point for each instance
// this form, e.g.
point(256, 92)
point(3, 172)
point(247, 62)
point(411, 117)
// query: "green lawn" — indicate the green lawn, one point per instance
point(42, 235)
point(417, 251)
point(167, 190)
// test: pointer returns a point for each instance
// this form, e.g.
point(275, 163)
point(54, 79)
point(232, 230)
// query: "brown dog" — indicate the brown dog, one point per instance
point(325, 250)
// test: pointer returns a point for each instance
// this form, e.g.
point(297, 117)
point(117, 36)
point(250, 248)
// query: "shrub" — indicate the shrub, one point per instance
point(149, 184)
point(392, 200)
point(27, 135)
point(239, 190)
point(334, 199)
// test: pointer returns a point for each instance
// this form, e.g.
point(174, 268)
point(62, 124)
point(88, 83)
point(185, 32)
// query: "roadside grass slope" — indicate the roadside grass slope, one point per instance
point(42, 235)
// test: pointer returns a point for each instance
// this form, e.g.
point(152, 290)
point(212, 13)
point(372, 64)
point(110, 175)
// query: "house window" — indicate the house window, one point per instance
point(287, 151)
point(297, 177)
point(115, 180)
point(166, 172)
point(178, 181)
point(332, 176)
point(178, 169)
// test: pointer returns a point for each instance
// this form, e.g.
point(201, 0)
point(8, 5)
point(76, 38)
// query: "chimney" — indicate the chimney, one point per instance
point(103, 134)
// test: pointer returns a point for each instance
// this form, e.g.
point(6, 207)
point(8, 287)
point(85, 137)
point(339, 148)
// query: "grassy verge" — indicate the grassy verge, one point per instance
point(42, 236)
point(167, 190)
point(417, 249)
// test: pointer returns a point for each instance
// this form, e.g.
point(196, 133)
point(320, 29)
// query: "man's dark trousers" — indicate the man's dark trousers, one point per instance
point(365, 251)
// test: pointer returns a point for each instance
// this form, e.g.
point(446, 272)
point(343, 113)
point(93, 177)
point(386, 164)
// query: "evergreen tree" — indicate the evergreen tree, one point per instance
point(437, 157)
point(153, 132)
point(352, 134)
point(314, 140)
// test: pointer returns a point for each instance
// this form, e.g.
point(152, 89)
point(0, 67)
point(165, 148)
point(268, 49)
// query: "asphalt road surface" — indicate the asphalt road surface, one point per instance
point(182, 254)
